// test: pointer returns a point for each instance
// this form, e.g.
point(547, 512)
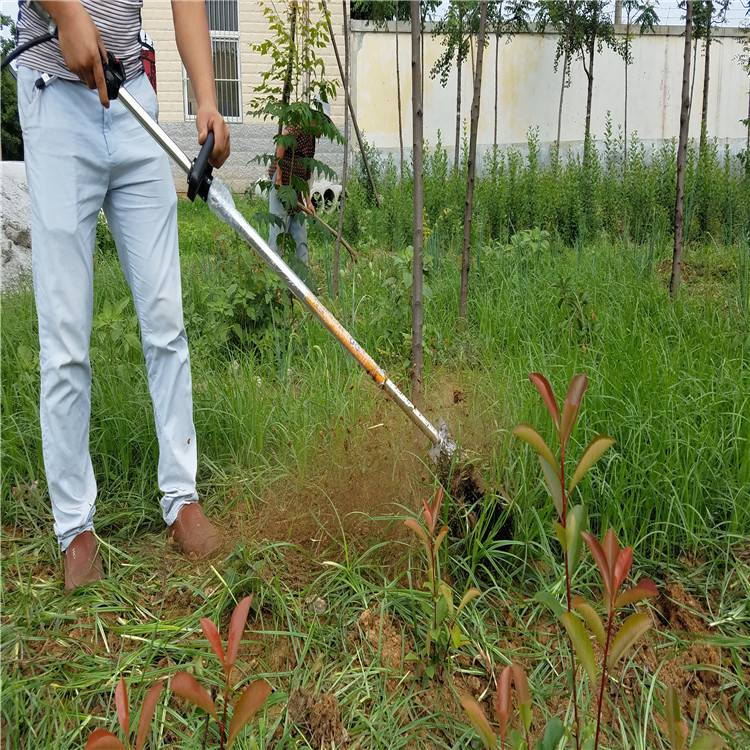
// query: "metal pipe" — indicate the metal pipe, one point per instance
point(221, 202)
point(145, 119)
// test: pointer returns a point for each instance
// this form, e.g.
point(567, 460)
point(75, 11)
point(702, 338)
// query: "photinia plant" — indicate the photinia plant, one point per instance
point(512, 680)
point(570, 521)
point(678, 731)
point(100, 739)
point(613, 564)
point(252, 697)
point(444, 631)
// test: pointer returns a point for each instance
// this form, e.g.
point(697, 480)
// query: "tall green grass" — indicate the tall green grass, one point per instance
point(669, 380)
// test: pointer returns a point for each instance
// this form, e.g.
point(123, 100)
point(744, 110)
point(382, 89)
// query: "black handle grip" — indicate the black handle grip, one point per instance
point(114, 75)
point(201, 172)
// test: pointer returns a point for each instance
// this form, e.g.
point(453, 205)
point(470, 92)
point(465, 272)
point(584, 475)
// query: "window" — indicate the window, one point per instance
point(223, 24)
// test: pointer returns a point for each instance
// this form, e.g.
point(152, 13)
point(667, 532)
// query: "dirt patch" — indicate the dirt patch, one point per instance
point(382, 636)
point(359, 476)
point(680, 610)
point(351, 485)
point(318, 716)
point(693, 671)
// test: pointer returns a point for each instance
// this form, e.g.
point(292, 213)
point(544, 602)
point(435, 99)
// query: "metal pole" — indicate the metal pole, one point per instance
point(220, 201)
point(145, 119)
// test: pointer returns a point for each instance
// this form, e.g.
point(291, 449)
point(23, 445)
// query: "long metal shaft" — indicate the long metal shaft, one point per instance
point(221, 202)
point(145, 119)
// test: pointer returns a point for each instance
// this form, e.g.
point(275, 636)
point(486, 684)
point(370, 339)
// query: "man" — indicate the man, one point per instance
point(292, 167)
point(84, 153)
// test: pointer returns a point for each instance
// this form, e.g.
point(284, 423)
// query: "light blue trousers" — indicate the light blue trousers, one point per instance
point(294, 225)
point(80, 158)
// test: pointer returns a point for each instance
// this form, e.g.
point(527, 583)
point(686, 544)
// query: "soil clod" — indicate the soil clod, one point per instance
point(318, 715)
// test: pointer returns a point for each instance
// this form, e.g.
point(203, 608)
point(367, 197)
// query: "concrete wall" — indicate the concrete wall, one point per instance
point(528, 89)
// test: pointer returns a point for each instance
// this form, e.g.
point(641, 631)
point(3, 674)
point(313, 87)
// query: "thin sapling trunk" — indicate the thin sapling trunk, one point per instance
point(349, 104)
point(398, 100)
point(471, 167)
point(417, 355)
point(337, 248)
point(560, 105)
point(674, 281)
point(497, 86)
point(704, 107)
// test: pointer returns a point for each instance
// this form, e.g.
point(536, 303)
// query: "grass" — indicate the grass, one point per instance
point(282, 415)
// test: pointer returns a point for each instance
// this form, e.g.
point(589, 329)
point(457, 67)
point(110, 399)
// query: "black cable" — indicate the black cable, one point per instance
point(48, 36)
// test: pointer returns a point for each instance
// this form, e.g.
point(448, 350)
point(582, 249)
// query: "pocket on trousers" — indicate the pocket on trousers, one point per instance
point(27, 92)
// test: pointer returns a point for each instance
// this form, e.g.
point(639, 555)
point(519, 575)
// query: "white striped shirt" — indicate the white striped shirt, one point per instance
point(118, 21)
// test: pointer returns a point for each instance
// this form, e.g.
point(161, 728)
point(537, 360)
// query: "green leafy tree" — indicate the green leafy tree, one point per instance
point(471, 165)
point(558, 15)
point(644, 16)
point(706, 14)
point(11, 142)
point(294, 80)
point(455, 29)
point(585, 28)
point(505, 18)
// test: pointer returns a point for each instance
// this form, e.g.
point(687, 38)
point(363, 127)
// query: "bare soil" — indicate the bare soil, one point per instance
point(379, 470)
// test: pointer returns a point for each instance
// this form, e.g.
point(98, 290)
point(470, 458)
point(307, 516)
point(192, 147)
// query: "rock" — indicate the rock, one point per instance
point(15, 242)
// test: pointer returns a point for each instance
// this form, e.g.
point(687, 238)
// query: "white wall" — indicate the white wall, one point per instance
point(529, 89)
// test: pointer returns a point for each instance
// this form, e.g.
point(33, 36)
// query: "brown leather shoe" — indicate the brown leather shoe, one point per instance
point(193, 533)
point(82, 562)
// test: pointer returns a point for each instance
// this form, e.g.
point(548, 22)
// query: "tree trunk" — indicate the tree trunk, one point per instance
point(590, 88)
point(471, 53)
point(286, 91)
point(351, 108)
point(497, 86)
point(422, 22)
point(342, 201)
point(417, 354)
point(560, 106)
point(674, 281)
point(625, 114)
point(589, 95)
point(398, 99)
point(457, 148)
point(694, 69)
point(704, 107)
point(471, 166)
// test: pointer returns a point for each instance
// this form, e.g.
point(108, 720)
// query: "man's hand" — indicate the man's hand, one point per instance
point(209, 119)
point(194, 46)
point(80, 44)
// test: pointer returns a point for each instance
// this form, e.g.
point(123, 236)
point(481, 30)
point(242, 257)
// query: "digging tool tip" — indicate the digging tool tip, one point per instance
point(443, 451)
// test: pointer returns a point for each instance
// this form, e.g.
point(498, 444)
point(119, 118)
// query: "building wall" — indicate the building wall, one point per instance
point(528, 90)
point(251, 136)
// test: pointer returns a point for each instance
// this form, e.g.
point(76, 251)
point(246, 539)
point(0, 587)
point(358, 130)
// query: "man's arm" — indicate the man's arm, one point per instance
point(194, 45)
point(80, 43)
